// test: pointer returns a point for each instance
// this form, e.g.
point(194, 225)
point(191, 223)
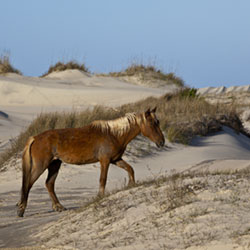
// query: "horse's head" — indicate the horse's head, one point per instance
point(150, 127)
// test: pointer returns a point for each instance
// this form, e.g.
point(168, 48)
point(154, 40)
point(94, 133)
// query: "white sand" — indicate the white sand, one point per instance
point(22, 98)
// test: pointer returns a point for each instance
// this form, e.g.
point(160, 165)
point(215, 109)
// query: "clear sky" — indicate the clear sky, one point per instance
point(206, 42)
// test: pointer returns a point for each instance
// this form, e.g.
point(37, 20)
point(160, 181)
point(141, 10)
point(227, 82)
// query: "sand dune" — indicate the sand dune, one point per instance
point(22, 98)
point(71, 89)
point(223, 90)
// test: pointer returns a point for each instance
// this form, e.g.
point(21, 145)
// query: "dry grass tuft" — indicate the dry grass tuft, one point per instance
point(184, 115)
point(61, 66)
point(6, 67)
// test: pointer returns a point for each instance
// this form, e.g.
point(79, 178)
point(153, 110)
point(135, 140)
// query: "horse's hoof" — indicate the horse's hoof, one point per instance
point(131, 184)
point(20, 209)
point(59, 208)
point(100, 195)
point(20, 212)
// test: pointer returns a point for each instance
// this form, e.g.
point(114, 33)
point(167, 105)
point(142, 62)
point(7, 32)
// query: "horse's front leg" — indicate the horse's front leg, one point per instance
point(103, 176)
point(53, 170)
point(124, 165)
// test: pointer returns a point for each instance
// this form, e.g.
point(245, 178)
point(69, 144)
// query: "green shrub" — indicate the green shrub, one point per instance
point(190, 93)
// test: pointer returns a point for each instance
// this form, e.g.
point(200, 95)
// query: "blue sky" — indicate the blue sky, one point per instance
point(207, 43)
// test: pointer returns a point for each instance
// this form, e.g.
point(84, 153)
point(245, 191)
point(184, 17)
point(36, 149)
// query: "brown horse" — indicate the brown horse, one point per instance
point(103, 141)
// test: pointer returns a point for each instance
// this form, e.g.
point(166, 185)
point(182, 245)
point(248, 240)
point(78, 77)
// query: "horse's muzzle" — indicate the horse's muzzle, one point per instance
point(160, 144)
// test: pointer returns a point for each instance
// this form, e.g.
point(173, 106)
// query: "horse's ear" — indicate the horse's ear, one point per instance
point(147, 113)
point(154, 109)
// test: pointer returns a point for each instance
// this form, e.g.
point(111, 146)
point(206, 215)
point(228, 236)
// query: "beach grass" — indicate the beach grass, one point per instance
point(6, 66)
point(182, 116)
point(62, 66)
point(148, 73)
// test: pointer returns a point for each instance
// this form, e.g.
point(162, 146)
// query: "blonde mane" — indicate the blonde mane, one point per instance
point(120, 126)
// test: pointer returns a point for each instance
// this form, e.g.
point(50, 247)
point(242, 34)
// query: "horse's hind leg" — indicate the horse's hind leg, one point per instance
point(50, 184)
point(31, 176)
point(123, 164)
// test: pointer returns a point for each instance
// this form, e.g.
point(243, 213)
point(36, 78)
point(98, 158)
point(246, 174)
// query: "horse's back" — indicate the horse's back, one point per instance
point(73, 145)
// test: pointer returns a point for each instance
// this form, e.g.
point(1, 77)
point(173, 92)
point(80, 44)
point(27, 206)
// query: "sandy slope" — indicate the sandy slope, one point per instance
point(67, 90)
point(21, 98)
point(196, 212)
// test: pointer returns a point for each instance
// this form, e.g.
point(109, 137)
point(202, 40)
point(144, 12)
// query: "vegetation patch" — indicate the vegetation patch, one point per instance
point(182, 116)
point(6, 67)
point(61, 66)
point(146, 74)
point(185, 114)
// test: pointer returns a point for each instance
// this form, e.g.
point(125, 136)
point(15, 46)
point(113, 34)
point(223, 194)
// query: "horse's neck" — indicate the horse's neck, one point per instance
point(130, 135)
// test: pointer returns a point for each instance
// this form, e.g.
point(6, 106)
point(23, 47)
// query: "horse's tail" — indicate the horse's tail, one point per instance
point(27, 165)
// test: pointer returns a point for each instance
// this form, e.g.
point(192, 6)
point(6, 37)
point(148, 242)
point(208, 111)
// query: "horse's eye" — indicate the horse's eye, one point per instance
point(157, 122)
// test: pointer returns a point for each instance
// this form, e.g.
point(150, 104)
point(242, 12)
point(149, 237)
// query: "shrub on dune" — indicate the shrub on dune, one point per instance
point(61, 66)
point(147, 73)
point(6, 67)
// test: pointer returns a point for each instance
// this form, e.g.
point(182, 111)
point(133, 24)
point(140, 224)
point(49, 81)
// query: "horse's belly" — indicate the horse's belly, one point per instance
point(78, 158)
